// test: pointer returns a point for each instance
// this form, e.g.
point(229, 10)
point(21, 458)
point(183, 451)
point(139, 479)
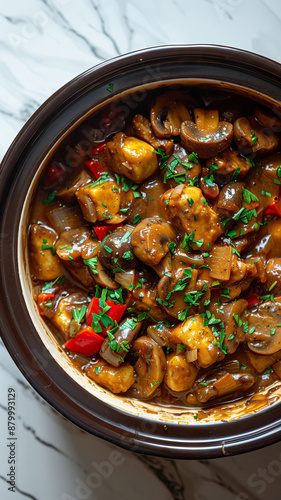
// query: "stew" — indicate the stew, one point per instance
point(155, 247)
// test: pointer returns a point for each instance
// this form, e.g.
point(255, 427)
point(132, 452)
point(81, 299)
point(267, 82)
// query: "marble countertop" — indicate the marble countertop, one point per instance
point(45, 43)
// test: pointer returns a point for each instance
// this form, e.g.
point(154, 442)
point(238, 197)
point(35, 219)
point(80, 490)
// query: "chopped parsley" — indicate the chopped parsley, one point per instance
point(127, 255)
point(272, 286)
point(78, 314)
point(152, 384)
point(254, 138)
point(265, 193)
point(235, 175)
point(59, 280)
point(238, 319)
point(268, 297)
point(50, 198)
point(193, 157)
point(172, 247)
point(129, 323)
point(268, 370)
point(244, 215)
point(163, 157)
point(190, 239)
point(249, 196)
point(101, 180)
point(125, 237)
point(46, 246)
point(92, 263)
point(209, 179)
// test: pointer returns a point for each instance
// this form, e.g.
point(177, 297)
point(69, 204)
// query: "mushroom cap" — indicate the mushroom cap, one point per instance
point(169, 111)
point(150, 367)
point(144, 131)
point(124, 334)
point(206, 144)
point(265, 319)
point(251, 138)
point(269, 119)
point(116, 252)
point(150, 240)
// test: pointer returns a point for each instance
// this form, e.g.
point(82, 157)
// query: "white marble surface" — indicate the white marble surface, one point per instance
point(44, 43)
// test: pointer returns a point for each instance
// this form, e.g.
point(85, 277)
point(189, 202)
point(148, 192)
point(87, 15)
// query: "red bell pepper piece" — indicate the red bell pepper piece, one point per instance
point(115, 312)
point(253, 300)
point(86, 342)
point(98, 149)
point(96, 167)
point(44, 297)
point(273, 209)
point(54, 174)
point(103, 231)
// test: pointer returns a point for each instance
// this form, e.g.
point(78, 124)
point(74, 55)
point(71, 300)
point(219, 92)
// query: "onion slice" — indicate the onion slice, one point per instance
point(220, 262)
point(191, 355)
point(63, 218)
point(126, 279)
point(155, 335)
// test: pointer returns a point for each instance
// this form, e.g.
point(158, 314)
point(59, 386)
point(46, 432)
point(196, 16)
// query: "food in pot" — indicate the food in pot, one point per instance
point(155, 254)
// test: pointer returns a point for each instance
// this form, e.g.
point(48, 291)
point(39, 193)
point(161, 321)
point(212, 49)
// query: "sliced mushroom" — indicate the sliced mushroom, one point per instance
point(273, 273)
point(72, 248)
point(143, 299)
point(115, 351)
point(115, 252)
point(71, 243)
point(227, 314)
point(150, 366)
point(131, 157)
point(229, 163)
point(144, 131)
point(179, 169)
point(207, 136)
point(227, 383)
point(180, 375)
point(150, 242)
point(250, 137)
point(264, 330)
point(115, 378)
point(102, 278)
point(186, 208)
point(168, 113)
point(172, 288)
point(208, 186)
point(45, 264)
point(261, 363)
point(229, 202)
point(268, 119)
point(67, 193)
